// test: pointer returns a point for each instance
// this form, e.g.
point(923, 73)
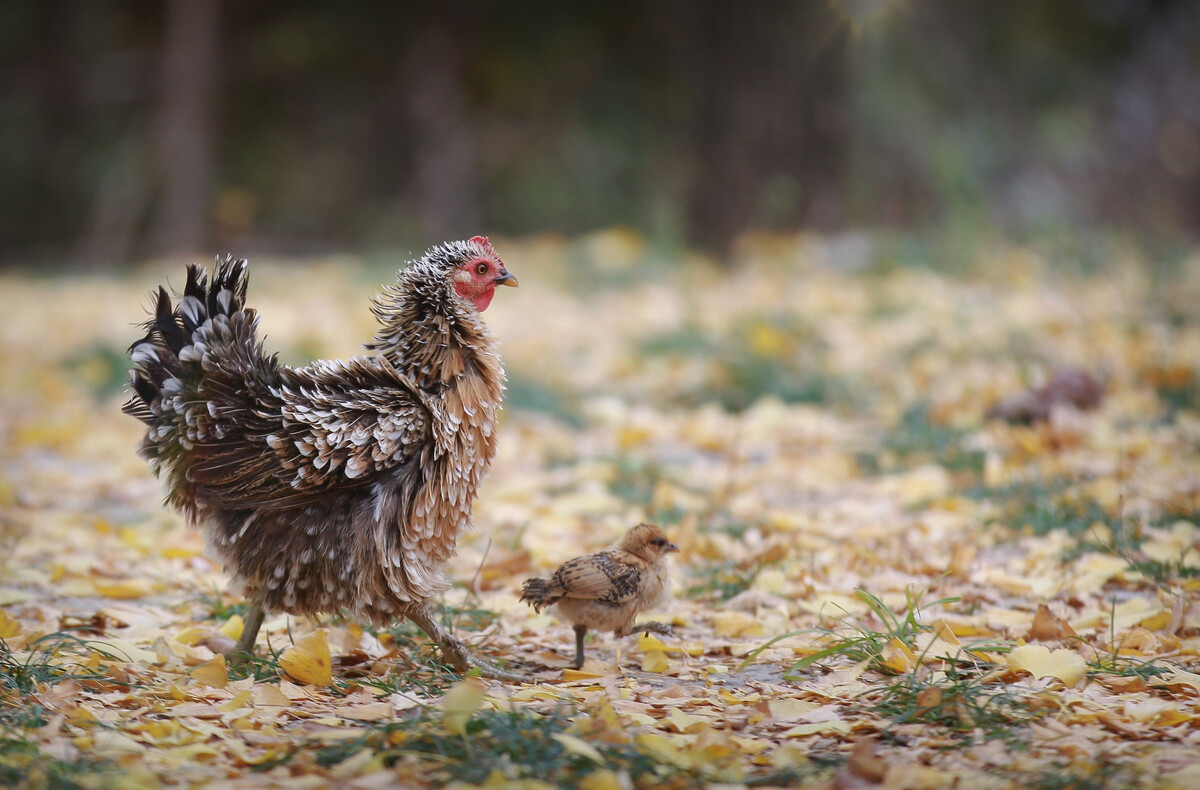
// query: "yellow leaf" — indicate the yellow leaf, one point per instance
point(815, 727)
point(460, 703)
point(766, 340)
point(308, 661)
point(929, 698)
point(270, 695)
point(158, 730)
point(1157, 622)
point(684, 722)
point(235, 703)
point(128, 588)
point(189, 636)
point(233, 627)
point(739, 697)
point(371, 711)
point(212, 673)
point(732, 624)
point(180, 552)
point(1042, 662)
point(600, 780)
point(789, 709)
point(897, 657)
point(771, 580)
point(752, 745)
point(630, 437)
point(530, 693)
point(578, 746)
point(8, 626)
point(1094, 570)
point(591, 670)
point(120, 650)
point(660, 747)
point(655, 661)
point(648, 642)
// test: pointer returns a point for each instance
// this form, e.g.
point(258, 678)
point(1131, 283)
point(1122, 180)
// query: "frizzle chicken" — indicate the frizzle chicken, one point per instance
point(341, 486)
point(606, 590)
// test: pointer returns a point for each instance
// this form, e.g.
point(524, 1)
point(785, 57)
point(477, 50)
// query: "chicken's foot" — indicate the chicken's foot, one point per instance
point(455, 652)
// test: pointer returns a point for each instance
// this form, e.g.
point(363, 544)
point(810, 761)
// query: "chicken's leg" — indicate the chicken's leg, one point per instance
point(580, 633)
point(253, 621)
point(455, 652)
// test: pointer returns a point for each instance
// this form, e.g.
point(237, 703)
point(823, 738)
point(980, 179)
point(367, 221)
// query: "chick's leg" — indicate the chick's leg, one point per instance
point(580, 633)
point(456, 653)
point(253, 621)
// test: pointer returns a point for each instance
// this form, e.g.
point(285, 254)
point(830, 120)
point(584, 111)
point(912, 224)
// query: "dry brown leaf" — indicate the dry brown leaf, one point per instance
point(1048, 626)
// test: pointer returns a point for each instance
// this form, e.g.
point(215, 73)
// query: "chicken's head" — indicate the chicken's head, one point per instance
point(481, 270)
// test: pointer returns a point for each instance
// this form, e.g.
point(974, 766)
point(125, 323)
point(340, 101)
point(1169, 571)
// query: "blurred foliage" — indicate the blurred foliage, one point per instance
point(134, 128)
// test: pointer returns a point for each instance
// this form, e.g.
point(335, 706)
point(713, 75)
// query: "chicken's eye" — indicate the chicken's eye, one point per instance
point(481, 268)
point(659, 542)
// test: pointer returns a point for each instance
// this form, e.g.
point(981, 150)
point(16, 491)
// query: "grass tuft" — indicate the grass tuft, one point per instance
point(500, 747)
point(959, 702)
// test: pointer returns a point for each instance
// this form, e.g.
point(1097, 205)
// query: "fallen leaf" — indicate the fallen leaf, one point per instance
point(1038, 660)
point(578, 746)
point(233, 627)
point(125, 589)
point(460, 703)
point(790, 709)
point(8, 626)
point(655, 661)
point(1047, 626)
point(212, 673)
point(897, 657)
point(733, 624)
point(308, 661)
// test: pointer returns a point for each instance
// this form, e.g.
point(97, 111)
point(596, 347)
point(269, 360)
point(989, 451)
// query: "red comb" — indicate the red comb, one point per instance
point(483, 242)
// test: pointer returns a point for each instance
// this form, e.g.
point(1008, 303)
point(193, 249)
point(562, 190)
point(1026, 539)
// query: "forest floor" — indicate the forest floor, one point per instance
point(878, 585)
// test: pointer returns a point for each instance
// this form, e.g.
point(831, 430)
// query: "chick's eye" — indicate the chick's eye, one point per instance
point(659, 542)
point(481, 268)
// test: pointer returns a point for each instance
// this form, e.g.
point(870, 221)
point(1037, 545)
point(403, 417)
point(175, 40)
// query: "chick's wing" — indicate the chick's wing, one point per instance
point(608, 576)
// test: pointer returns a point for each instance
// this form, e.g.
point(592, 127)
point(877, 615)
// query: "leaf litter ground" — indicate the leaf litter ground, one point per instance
point(877, 586)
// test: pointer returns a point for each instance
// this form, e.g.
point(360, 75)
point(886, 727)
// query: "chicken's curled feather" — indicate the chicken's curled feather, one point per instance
point(340, 485)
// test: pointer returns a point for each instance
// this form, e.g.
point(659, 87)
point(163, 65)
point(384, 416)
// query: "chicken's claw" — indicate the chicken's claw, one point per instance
point(456, 653)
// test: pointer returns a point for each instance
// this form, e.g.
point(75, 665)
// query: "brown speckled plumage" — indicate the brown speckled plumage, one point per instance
point(607, 590)
point(340, 485)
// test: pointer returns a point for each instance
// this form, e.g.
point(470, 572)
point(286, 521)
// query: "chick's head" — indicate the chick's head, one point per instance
point(647, 541)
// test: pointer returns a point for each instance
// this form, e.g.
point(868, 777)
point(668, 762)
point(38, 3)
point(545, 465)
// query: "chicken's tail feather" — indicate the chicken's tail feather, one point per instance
point(175, 334)
point(536, 592)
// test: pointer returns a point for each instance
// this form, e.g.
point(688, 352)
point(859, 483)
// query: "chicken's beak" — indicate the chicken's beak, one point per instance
point(671, 547)
point(506, 279)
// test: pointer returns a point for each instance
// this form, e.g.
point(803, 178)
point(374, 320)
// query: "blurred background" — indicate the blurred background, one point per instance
point(139, 128)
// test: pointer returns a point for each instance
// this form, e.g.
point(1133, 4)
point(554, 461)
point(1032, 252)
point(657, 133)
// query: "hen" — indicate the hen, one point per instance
point(341, 486)
point(605, 591)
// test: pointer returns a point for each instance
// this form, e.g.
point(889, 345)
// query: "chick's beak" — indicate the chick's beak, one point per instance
point(671, 547)
point(506, 279)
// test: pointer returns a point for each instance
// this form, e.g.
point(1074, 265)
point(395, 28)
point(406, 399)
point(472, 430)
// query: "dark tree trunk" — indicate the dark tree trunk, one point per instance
point(768, 83)
point(444, 185)
point(187, 123)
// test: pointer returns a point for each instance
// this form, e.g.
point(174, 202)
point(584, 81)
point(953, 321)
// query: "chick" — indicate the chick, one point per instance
point(605, 591)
